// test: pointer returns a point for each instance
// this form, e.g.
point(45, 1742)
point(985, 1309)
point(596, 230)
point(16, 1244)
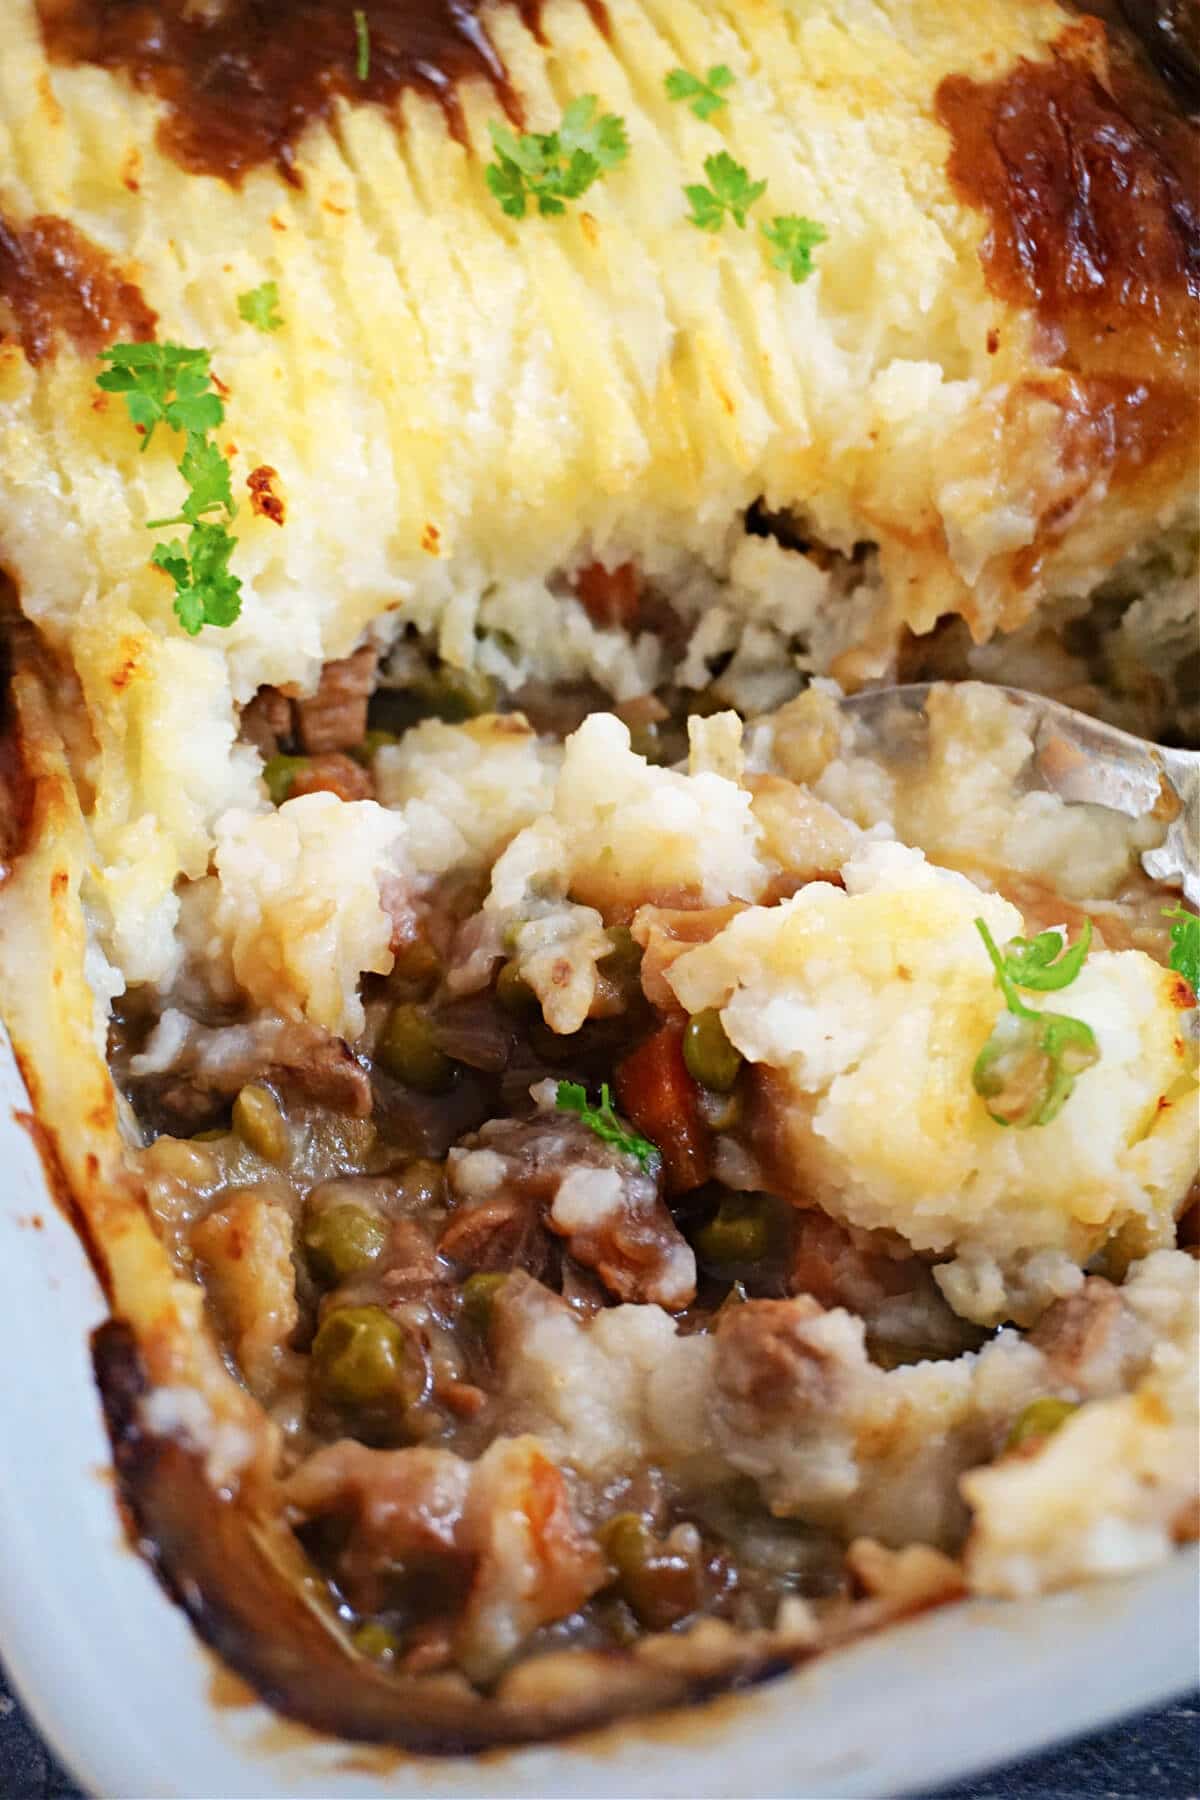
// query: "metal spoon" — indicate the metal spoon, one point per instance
point(1084, 760)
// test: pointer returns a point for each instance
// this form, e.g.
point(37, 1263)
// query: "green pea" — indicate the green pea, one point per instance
point(721, 1112)
point(479, 1294)
point(409, 1051)
point(1027, 1068)
point(740, 1232)
point(279, 773)
point(372, 1638)
point(513, 992)
point(259, 1122)
point(374, 740)
point(358, 1359)
point(1041, 1418)
point(421, 1185)
point(623, 963)
point(661, 1585)
point(626, 1540)
point(417, 962)
point(457, 694)
point(342, 1240)
point(707, 1052)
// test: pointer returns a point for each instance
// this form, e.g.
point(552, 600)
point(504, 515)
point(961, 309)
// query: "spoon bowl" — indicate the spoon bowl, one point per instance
point(1084, 761)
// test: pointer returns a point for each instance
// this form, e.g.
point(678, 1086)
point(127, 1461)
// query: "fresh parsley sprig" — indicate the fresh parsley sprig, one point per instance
point(163, 384)
point(546, 169)
point(170, 384)
point(704, 97)
point(205, 591)
point(793, 240)
point(206, 472)
point(572, 1097)
point(260, 306)
point(730, 193)
point(1185, 944)
point(1027, 1069)
point(1042, 964)
point(552, 167)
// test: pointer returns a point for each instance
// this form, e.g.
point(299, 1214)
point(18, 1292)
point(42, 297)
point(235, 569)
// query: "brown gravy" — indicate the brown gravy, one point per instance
point(55, 282)
point(1089, 183)
point(242, 79)
point(1087, 172)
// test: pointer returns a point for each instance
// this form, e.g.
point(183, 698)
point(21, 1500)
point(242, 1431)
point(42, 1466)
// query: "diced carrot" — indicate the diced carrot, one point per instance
point(610, 596)
point(659, 1097)
point(332, 773)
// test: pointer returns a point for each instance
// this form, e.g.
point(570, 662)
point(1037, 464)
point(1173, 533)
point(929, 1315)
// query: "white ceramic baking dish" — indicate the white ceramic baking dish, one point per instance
point(136, 1707)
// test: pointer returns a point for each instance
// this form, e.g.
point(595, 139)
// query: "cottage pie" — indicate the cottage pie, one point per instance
point(609, 1177)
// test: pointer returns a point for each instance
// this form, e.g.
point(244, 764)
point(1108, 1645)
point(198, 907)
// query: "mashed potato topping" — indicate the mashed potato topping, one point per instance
point(462, 411)
point(623, 831)
point(1101, 1497)
point(295, 912)
point(465, 790)
point(874, 1002)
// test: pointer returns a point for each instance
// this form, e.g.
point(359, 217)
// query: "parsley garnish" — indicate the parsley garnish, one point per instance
point(1027, 1069)
point(730, 191)
point(793, 240)
point(1041, 964)
point(167, 384)
point(207, 474)
point(1185, 944)
point(362, 45)
point(571, 1097)
point(259, 306)
point(163, 384)
point(704, 97)
point(552, 167)
point(205, 592)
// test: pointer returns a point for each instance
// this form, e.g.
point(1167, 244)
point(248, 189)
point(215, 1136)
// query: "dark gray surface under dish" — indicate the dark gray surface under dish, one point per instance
point(1152, 1758)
